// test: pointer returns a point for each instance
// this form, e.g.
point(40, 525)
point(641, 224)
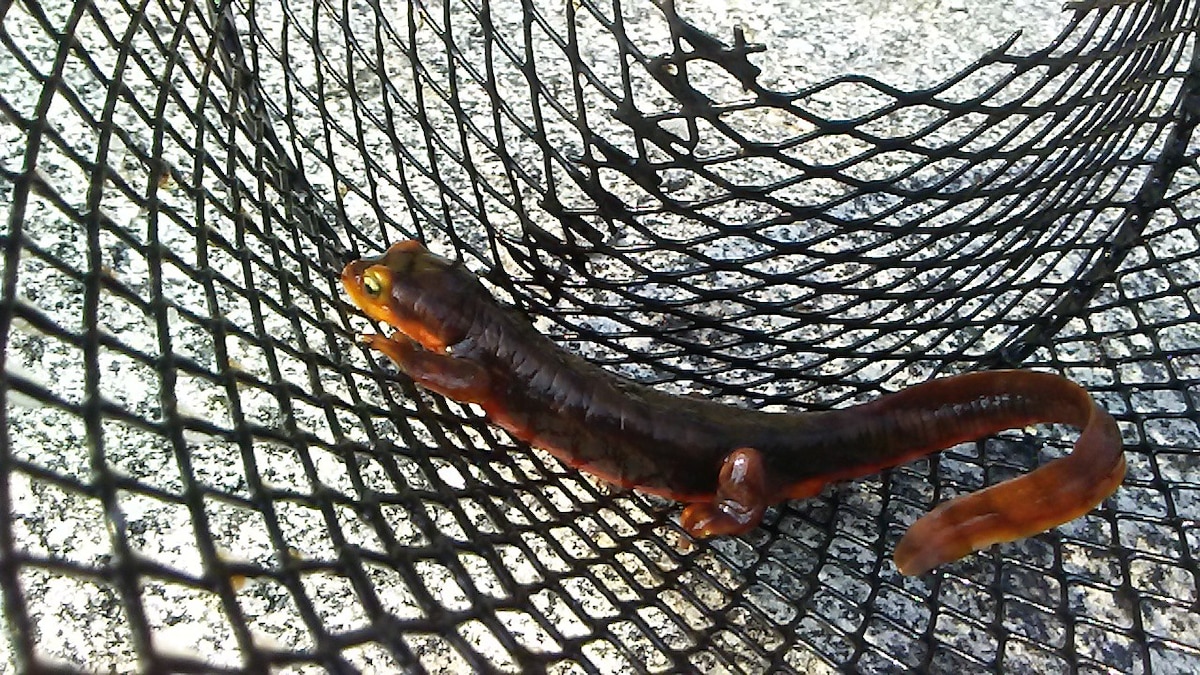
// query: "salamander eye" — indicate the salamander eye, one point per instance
point(375, 282)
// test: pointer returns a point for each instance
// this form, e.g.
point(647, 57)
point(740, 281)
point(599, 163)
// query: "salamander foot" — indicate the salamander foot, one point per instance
point(740, 500)
point(459, 379)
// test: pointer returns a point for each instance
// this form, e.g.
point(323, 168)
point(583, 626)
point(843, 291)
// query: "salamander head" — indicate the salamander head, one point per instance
point(416, 292)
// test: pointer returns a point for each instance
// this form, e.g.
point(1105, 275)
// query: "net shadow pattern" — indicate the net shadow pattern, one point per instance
point(204, 472)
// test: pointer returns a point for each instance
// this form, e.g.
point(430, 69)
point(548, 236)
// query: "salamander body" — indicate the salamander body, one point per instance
point(729, 464)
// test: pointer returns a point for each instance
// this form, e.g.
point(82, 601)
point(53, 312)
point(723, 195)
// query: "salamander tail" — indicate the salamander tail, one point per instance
point(1051, 495)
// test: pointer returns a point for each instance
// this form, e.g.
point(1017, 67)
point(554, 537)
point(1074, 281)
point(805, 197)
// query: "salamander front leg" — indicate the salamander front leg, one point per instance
point(740, 500)
point(455, 378)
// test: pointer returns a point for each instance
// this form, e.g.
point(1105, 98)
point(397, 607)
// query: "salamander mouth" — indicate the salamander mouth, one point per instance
point(379, 309)
point(352, 281)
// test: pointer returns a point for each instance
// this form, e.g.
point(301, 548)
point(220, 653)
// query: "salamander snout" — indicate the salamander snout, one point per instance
point(410, 289)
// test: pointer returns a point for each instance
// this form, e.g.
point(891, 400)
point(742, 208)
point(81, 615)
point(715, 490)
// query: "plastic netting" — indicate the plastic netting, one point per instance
point(203, 472)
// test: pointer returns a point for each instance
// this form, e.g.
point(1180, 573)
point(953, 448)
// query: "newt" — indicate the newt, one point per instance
point(729, 464)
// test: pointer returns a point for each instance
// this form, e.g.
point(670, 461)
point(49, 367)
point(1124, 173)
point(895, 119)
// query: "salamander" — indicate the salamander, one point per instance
point(729, 464)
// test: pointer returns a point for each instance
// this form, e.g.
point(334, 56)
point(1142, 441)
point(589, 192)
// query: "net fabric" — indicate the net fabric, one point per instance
point(203, 472)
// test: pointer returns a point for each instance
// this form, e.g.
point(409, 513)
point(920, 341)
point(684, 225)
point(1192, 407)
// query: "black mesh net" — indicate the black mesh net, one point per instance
point(794, 207)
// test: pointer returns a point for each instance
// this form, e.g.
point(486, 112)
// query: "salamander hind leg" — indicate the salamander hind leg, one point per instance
point(740, 500)
point(447, 375)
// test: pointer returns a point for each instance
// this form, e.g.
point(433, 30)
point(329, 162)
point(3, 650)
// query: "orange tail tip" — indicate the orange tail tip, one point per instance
point(1060, 491)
